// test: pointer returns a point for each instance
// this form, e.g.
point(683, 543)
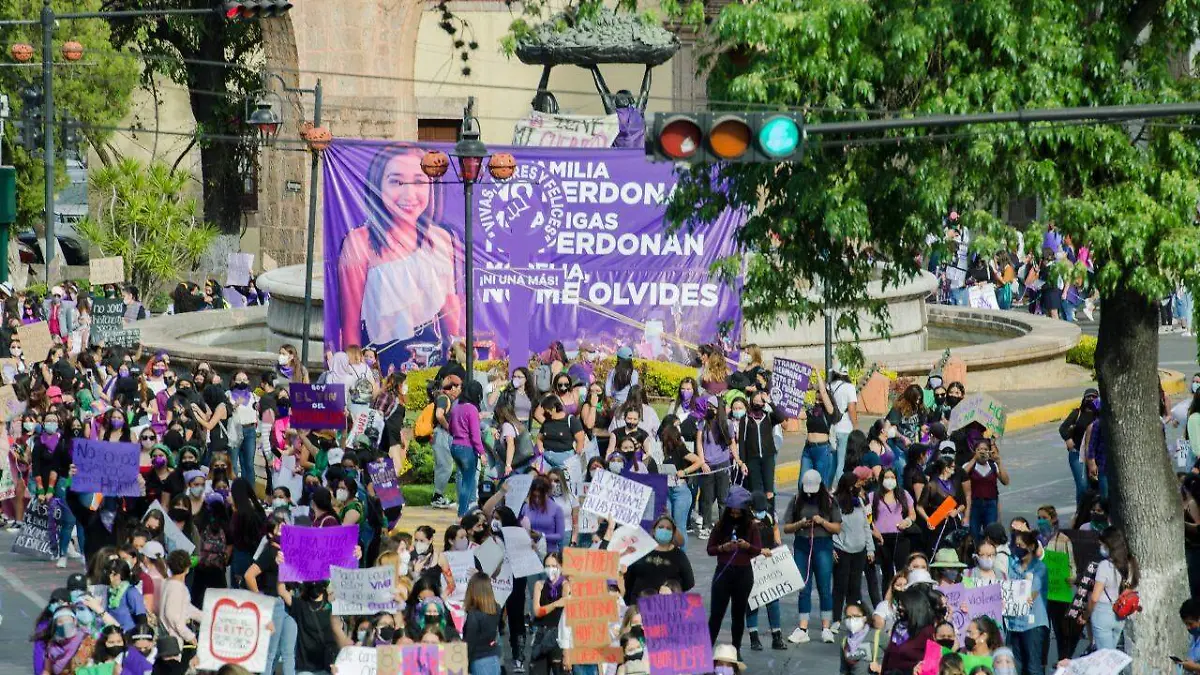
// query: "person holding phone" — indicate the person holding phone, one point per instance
point(985, 473)
point(814, 518)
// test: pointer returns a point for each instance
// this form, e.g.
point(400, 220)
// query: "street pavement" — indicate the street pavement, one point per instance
point(1034, 457)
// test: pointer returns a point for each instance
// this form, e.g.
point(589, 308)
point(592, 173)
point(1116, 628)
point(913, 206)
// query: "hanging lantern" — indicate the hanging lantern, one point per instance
point(72, 50)
point(435, 163)
point(318, 138)
point(21, 51)
point(502, 165)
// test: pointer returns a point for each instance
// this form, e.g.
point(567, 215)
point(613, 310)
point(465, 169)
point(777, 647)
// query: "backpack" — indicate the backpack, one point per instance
point(423, 427)
point(212, 549)
point(1127, 604)
point(543, 378)
point(360, 392)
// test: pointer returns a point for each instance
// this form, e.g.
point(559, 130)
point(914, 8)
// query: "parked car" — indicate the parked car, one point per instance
point(70, 207)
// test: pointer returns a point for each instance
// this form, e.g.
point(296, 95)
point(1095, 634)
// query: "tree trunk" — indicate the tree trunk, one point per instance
point(1144, 491)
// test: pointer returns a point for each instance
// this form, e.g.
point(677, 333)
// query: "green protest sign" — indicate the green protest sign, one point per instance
point(1058, 570)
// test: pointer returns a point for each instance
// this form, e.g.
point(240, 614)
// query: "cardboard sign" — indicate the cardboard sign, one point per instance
point(586, 563)
point(421, 659)
point(873, 397)
point(517, 491)
point(1058, 571)
point(309, 552)
point(238, 271)
point(657, 482)
point(35, 341)
point(676, 628)
point(982, 409)
point(38, 537)
point(356, 661)
point(591, 608)
point(126, 337)
point(980, 600)
point(385, 482)
point(566, 131)
point(110, 469)
point(502, 583)
point(318, 406)
point(106, 270)
point(462, 568)
point(490, 555)
point(176, 539)
point(361, 592)
point(521, 553)
point(585, 655)
point(789, 383)
point(108, 318)
point(10, 406)
point(9, 369)
point(774, 577)
point(369, 423)
point(942, 512)
point(287, 477)
point(233, 629)
point(632, 543)
point(618, 499)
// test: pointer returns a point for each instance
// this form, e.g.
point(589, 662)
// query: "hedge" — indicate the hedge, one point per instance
point(1083, 353)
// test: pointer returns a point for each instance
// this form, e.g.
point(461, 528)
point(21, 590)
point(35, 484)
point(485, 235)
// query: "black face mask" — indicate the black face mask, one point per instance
point(953, 400)
point(563, 388)
point(948, 643)
point(387, 634)
point(969, 643)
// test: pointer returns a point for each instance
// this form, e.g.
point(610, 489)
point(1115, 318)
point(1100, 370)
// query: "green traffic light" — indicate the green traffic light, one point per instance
point(779, 137)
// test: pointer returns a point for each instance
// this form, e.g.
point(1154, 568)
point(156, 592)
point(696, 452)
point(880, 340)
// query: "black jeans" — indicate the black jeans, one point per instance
point(714, 488)
point(731, 586)
point(847, 579)
point(762, 473)
point(1066, 632)
point(514, 610)
point(892, 555)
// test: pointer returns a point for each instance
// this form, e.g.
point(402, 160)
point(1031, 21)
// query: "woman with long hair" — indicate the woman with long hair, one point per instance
point(908, 414)
point(289, 367)
point(686, 463)
point(944, 483)
point(1118, 571)
point(466, 443)
point(391, 402)
point(666, 562)
point(814, 518)
point(247, 526)
point(596, 413)
point(714, 374)
point(854, 544)
point(768, 533)
point(83, 326)
point(915, 620)
point(549, 601)
point(717, 440)
point(562, 389)
point(522, 394)
point(544, 514)
point(481, 629)
point(819, 419)
point(735, 542)
point(622, 377)
point(892, 513)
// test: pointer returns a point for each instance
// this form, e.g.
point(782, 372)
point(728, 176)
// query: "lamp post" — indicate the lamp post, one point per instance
point(471, 154)
point(268, 121)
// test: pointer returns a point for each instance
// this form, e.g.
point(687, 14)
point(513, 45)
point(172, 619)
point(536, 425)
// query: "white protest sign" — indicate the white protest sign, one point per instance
point(550, 130)
point(1100, 662)
point(8, 489)
point(618, 499)
point(176, 539)
point(774, 577)
point(521, 554)
point(517, 491)
point(233, 629)
point(237, 273)
point(363, 591)
point(502, 584)
point(356, 661)
point(369, 423)
point(1015, 596)
point(106, 270)
point(462, 567)
point(287, 477)
point(632, 542)
point(489, 554)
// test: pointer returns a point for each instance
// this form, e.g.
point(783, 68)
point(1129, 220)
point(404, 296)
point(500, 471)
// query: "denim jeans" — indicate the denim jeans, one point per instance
point(1078, 473)
point(1027, 648)
point(1106, 627)
point(443, 462)
point(244, 454)
point(238, 566)
point(1102, 485)
point(679, 505)
point(839, 441)
point(282, 645)
point(488, 665)
point(820, 572)
point(557, 459)
point(959, 297)
point(467, 461)
point(899, 461)
point(818, 456)
point(66, 521)
point(772, 617)
point(984, 512)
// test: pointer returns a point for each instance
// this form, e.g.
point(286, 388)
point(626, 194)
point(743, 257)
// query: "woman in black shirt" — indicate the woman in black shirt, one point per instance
point(481, 629)
point(549, 599)
point(685, 462)
point(666, 562)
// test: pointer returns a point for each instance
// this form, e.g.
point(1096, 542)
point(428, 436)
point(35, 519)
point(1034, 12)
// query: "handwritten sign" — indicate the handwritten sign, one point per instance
point(618, 499)
point(238, 271)
point(676, 628)
point(318, 406)
point(363, 591)
point(502, 583)
point(233, 629)
point(657, 506)
point(356, 661)
point(1058, 570)
point(10, 405)
point(521, 554)
point(582, 563)
point(106, 270)
point(309, 552)
point(462, 568)
point(1016, 598)
point(422, 659)
point(126, 337)
point(517, 490)
point(108, 318)
point(108, 468)
point(789, 382)
point(980, 600)
point(38, 537)
point(548, 130)
point(632, 542)
point(1099, 662)
point(774, 577)
point(35, 341)
point(370, 424)
point(981, 409)
point(385, 482)
point(176, 539)
point(591, 608)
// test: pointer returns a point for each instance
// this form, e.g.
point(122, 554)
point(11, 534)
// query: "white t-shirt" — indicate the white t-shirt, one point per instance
point(843, 395)
point(1108, 574)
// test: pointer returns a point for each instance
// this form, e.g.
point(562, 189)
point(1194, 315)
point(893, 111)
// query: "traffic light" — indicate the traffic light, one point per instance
point(699, 138)
point(71, 135)
point(31, 133)
point(244, 10)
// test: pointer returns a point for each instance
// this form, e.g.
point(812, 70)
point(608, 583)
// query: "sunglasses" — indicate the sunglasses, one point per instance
point(149, 438)
point(449, 387)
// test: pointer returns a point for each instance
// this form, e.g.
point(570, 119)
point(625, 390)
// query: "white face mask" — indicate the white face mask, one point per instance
point(589, 356)
point(518, 382)
point(553, 573)
point(889, 483)
point(891, 432)
point(422, 547)
point(460, 544)
point(856, 623)
point(342, 495)
point(284, 359)
point(405, 558)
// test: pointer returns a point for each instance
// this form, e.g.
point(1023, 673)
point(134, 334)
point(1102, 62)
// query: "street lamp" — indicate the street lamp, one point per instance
point(267, 120)
point(471, 154)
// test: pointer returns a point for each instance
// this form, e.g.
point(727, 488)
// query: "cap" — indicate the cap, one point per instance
point(946, 557)
point(738, 498)
point(54, 393)
point(189, 476)
point(863, 473)
point(759, 501)
point(919, 576)
point(728, 654)
point(167, 647)
point(810, 482)
point(154, 550)
point(77, 582)
point(1091, 391)
point(947, 447)
point(625, 353)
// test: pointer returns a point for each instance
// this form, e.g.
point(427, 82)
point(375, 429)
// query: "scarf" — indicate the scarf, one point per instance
point(856, 639)
point(50, 441)
point(116, 595)
point(61, 653)
point(555, 589)
point(286, 371)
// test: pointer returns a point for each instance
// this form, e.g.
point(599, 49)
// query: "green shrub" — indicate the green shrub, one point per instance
point(418, 495)
point(1083, 353)
point(417, 381)
point(420, 455)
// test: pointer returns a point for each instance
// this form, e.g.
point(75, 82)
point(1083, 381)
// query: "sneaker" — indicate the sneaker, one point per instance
point(777, 641)
point(705, 532)
point(826, 635)
point(518, 666)
point(14, 526)
point(73, 552)
point(755, 643)
point(837, 625)
point(62, 563)
point(799, 636)
point(440, 502)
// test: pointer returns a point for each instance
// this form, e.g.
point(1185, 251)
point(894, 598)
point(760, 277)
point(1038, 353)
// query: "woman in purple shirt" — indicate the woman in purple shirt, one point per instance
point(544, 515)
point(466, 443)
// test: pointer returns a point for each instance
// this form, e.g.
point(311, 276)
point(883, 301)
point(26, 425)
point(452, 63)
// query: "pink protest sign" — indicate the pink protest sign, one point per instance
point(308, 552)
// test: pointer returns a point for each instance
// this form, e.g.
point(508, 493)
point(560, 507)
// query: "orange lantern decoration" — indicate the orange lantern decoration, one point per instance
point(318, 138)
point(502, 165)
point(435, 163)
point(21, 51)
point(72, 50)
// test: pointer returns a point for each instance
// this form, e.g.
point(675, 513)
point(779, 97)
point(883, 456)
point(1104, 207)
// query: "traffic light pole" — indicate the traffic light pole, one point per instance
point(314, 176)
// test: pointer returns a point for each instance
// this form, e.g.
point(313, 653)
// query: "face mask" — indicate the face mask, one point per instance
point(342, 494)
point(51, 427)
point(738, 414)
point(940, 400)
point(196, 491)
point(557, 491)
point(460, 544)
point(1099, 522)
point(1104, 552)
point(951, 575)
point(422, 547)
point(158, 461)
point(889, 483)
point(891, 432)
point(370, 360)
point(856, 623)
point(663, 535)
point(985, 563)
point(969, 643)
point(553, 573)
point(123, 372)
point(1195, 387)
point(563, 387)
point(387, 634)
point(634, 656)
point(118, 422)
point(1005, 670)
point(761, 515)
point(241, 386)
point(279, 503)
point(518, 382)
point(66, 631)
point(616, 467)
point(360, 636)
point(29, 426)
point(631, 425)
point(1019, 552)
point(16, 351)
point(948, 643)
point(1194, 632)
point(284, 359)
point(1045, 526)
point(589, 356)
point(953, 400)
point(811, 490)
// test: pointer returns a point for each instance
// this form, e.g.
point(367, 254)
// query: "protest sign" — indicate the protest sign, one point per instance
point(38, 537)
point(942, 512)
point(233, 629)
point(932, 661)
point(1058, 571)
point(774, 577)
point(789, 383)
point(97, 669)
point(489, 554)
point(309, 552)
point(8, 488)
point(421, 659)
point(658, 504)
point(369, 424)
point(363, 591)
point(10, 406)
point(981, 409)
point(287, 477)
point(108, 317)
point(676, 629)
point(108, 468)
point(566, 131)
point(1016, 598)
point(873, 397)
point(982, 296)
point(35, 341)
point(238, 271)
point(385, 482)
point(318, 406)
point(580, 563)
point(176, 539)
point(591, 608)
point(103, 271)
point(1099, 662)
point(618, 499)
point(502, 582)
point(9, 370)
point(126, 337)
point(462, 568)
point(521, 554)
point(356, 661)
point(632, 542)
point(517, 491)
point(980, 600)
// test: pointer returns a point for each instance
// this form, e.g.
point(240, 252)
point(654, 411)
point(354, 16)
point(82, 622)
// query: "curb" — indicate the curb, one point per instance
point(1173, 382)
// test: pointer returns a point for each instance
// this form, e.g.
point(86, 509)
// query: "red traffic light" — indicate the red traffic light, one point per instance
point(680, 138)
point(242, 10)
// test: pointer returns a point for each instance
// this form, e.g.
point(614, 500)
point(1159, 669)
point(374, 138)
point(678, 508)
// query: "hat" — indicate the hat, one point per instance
point(54, 393)
point(65, 610)
point(154, 550)
point(1091, 391)
point(759, 501)
point(934, 382)
point(919, 576)
point(167, 647)
point(811, 481)
point(77, 582)
point(189, 476)
point(946, 557)
point(738, 498)
point(837, 367)
point(728, 654)
point(625, 353)
point(863, 473)
point(947, 448)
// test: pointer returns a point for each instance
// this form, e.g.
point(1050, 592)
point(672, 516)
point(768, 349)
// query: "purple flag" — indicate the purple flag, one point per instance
point(309, 551)
point(108, 468)
point(676, 628)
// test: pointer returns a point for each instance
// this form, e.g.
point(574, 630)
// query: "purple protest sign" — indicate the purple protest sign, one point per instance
point(309, 551)
point(980, 600)
point(789, 382)
point(108, 468)
point(387, 485)
point(676, 629)
point(583, 230)
point(318, 406)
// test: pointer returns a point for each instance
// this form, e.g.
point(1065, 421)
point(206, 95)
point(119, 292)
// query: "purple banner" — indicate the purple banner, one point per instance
point(309, 551)
point(576, 243)
point(108, 468)
point(676, 628)
point(656, 482)
point(318, 406)
point(387, 485)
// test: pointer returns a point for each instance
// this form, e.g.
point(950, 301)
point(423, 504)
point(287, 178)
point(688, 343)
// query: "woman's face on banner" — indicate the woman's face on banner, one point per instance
point(405, 189)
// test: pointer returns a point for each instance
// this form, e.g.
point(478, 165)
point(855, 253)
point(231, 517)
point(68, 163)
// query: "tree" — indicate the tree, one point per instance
point(94, 90)
point(145, 217)
point(1127, 191)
